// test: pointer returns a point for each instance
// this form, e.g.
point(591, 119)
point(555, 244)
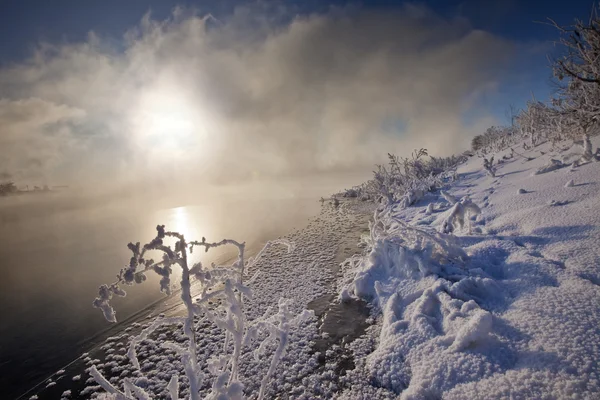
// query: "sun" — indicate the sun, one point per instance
point(167, 120)
point(168, 115)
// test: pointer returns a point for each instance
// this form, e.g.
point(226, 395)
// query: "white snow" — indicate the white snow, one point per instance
point(518, 317)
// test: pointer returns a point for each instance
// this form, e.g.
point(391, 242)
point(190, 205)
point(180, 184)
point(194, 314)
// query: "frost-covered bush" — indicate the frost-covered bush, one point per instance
point(588, 153)
point(403, 181)
point(398, 250)
point(352, 192)
point(587, 149)
point(540, 122)
point(488, 165)
point(495, 138)
point(458, 216)
point(219, 297)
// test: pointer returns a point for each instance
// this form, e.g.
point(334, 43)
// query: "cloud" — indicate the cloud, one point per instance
point(34, 134)
point(199, 99)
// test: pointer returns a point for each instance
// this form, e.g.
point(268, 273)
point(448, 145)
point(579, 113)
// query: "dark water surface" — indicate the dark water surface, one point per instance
point(55, 252)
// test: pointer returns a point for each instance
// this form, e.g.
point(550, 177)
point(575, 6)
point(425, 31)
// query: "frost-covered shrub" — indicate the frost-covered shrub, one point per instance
point(588, 153)
point(458, 216)
point(352, 192)
point(488, 165)
point(429, 210)
point(219, 299)
point(587, 149)
point(495, 138)
point(398, 250)
point(404, 181)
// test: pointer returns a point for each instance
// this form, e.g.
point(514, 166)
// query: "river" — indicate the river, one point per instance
point(56, 251)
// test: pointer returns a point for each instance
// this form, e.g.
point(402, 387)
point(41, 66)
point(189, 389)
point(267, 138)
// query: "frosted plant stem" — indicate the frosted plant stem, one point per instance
point(106, 385)
point(224, 284)
point(186, 297)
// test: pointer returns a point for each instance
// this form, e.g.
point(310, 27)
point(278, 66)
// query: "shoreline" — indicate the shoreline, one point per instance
point(317, 232)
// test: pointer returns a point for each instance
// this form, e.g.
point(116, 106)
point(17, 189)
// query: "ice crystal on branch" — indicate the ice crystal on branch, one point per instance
point(219, 298)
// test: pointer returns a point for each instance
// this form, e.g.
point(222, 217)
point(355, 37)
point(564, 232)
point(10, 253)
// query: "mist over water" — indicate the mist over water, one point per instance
point(57, 248)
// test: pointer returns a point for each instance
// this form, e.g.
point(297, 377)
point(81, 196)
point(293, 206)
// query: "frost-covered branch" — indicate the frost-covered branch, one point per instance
point(219, 299)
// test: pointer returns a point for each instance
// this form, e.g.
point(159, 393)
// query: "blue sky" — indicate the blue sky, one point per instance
point(294, 87)
point(24, 23)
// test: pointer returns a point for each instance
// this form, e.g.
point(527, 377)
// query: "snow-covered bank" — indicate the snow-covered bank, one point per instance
point(510, 310)
point(305, 276)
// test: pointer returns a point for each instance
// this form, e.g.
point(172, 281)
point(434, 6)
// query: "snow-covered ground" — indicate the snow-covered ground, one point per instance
point(518, 317)
point(507, 306)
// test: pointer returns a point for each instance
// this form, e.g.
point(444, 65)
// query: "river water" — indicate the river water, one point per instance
point(55, 252)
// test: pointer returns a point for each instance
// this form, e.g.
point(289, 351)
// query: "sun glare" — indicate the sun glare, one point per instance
point(167, 119)
point(169, 116)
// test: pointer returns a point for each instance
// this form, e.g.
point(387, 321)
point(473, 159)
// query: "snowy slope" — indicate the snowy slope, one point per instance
point(518, 317)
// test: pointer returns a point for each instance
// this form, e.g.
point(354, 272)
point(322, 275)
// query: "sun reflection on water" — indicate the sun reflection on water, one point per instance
point(181, 222)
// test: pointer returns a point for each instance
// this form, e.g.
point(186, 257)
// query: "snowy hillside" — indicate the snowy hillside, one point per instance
point(517, 315)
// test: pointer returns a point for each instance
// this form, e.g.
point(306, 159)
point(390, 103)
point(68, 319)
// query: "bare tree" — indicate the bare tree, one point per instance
point(578, 69)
